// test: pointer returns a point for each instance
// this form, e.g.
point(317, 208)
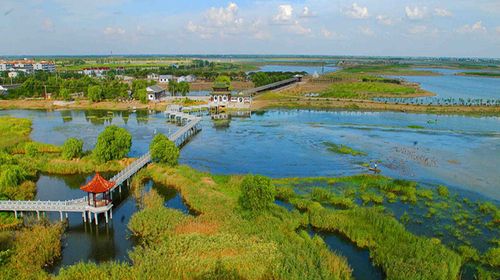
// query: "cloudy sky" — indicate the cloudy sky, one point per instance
point(363, 27)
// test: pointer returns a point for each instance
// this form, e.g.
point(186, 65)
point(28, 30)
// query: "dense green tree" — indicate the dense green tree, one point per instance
point(113, 143)
point(142, 95)
point(163, 150)
point(72, 148)
point(65, 94)
point(95, 93)
point(173, 87)
point(222, 81)
point(257, 193)
point(183, 88)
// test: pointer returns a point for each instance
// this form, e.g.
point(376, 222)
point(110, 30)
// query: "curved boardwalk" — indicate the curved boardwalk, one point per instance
point(190, 126)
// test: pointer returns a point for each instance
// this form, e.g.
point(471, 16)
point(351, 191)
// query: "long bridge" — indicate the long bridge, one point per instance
point(272, 86)
point(190, 126)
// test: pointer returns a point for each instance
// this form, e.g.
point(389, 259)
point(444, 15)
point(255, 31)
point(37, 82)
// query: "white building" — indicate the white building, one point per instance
point(165, 79)
point(153, 77)
point(3, 90)
point(188, 79)
point(27, 66)
point(155, 93)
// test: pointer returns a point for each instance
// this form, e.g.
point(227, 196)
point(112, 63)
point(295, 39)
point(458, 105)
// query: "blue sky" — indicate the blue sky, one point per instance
point(370, 27)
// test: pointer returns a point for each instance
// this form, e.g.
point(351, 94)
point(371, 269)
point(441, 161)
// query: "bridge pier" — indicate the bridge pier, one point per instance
point(38, 215)
point(15, 213)
point(95, 218)
point(61, 215)
point(84, 216)
point(106, 216)
point(90, 217)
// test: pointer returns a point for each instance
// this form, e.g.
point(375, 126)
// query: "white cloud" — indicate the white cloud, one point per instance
point(385, 20)
point(357, 12)
point(299, 29)
point(113, 31)
point(224, 17)
point(259, 31)
point(284, 15)
point(306, 12)
point(366, 30)
point(419, 29)
point(474, 28)
point(47, 25)
point(415, 13)
point(442, 12)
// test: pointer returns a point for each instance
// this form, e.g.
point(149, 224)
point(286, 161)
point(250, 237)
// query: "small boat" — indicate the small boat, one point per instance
point(375, 170)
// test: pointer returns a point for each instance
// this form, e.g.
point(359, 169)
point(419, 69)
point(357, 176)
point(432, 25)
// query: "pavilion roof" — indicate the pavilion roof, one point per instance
point(97, 185)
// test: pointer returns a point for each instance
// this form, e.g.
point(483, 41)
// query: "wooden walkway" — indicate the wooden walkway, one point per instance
point(190, 126)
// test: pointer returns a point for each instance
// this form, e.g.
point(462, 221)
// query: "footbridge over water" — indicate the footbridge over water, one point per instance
point(272, 86)
point(190, 127)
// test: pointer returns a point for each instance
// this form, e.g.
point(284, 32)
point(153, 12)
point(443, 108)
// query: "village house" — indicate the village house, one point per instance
point(223, 97)
point(188, 79)
point(27, 66)
point(97, 72)
point(165, 79)
point(155, 93)
point(152, 77)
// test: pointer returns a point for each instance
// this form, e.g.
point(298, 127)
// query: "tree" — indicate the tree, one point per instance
point(142, 95)
point(95, 93)
point(183, 88)
point(222, 81)
point(163, 150)
point(65, 94)
point(173, 87)
point(257, 193)
point(113, 143)
point(72, 148)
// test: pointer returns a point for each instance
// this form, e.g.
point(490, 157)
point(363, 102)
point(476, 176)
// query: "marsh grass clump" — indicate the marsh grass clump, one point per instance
point(13, 131)
point(257, 193)
point(343, 149)
point(72, 148)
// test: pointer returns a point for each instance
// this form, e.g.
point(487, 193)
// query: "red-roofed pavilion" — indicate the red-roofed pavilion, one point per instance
point(96, 186)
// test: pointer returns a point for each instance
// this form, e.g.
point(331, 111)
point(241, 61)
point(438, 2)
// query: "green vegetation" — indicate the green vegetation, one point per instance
point(265, 78)
point(387, 69)
point(31, 149)
point(95, 93)
point(163, 150)
point(367, 90)
point(13, 131)
point(72, 148)
point(416, 127)
point(222, 82)
point(34, 248)
point(482, 74)
point(343, 149)
point(113, 143)
point(257, 193)
point(401, 254)
point(443, 191)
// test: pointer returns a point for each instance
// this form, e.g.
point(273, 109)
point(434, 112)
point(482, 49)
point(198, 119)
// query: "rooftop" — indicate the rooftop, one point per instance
point(97, 185)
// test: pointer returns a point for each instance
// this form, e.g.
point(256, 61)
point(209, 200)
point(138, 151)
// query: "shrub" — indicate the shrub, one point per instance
point(31, 149)
point(257, 193)
point(492, 257)
point(163, 150)
point(72, 148)
point(113, 143)
point(443, 191)
point(95, 93)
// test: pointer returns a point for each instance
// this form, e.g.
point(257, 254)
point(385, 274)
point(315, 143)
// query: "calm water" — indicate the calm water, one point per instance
point(449, 85)
point(298, 68)
point(104, 242)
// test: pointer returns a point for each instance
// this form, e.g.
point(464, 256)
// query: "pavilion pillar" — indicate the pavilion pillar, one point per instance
point(106, 216)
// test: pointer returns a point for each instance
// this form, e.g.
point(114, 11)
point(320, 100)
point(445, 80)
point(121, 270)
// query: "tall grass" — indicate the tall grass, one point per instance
point(401, 254)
